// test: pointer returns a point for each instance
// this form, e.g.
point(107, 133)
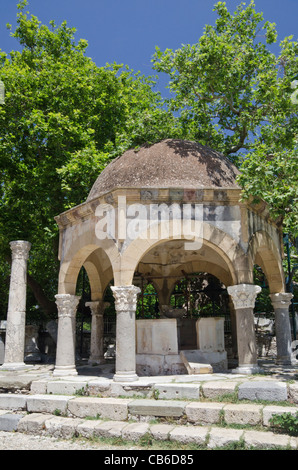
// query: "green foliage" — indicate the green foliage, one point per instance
point(285, 422)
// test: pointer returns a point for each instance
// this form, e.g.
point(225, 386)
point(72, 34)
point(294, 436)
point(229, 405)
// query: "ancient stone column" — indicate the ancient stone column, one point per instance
point(97, 329)
point(125, 304)
point(243, 297)
point(16, 314)
point(66, 339)
point(281, 303)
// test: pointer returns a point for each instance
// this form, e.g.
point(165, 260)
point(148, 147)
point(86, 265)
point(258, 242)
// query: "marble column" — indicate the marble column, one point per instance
point(16, 314)
point(66, 338)
point(125, 304)
point(97, 329)
point(281, 302)
point(243, 297)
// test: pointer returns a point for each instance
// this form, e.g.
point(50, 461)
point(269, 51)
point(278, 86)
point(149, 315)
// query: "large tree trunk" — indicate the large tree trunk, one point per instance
point(48, 306)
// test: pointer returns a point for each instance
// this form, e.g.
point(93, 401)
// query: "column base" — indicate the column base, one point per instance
point(16, 366)
point(247, 369)
point(125, 377)
point(61, 371)
point(98, 361)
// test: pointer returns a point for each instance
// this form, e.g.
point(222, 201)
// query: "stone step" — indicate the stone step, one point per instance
point(43, 424)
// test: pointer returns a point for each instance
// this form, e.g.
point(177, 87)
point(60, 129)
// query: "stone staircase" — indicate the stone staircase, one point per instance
point(215, 412)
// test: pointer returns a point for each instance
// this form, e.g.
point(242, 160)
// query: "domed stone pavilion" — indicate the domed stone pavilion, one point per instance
point(160, 213)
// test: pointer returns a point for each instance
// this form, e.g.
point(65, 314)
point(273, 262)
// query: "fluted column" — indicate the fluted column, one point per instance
point(16, 313)
point(97, 329)
point(66, 340)
point(281, 302)
point(125, 304)
point(243, 297)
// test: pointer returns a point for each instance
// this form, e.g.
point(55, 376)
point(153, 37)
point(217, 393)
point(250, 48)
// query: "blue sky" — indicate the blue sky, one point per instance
point(127, 31)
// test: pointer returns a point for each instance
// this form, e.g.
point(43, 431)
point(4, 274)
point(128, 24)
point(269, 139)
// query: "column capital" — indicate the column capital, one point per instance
point(281, 299)
point(125, 297)
point(20, 249)
point(67, 304)
point(97, 307)
point(244, 295)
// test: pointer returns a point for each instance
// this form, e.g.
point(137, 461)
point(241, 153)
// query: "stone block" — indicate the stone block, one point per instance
point(263, 390)
point(33, 423)
point(265, 440)
point(87, 428)
point(109, 428)
point(293, 392)
point(218, 388)
point(61, 427)
point(111, 408)
point(47, 403)
point(157, 336)
point(156, 408)
point(189, 434)
point(221, 437)
point(9, 401)
point(39, 387)
point(134, 431)
point(177, 391)
point(243, 414)
point(195, 362)
point(10, 421)
point(61, 387)
point(269, 411)
point(161, 432)
point(204, 413)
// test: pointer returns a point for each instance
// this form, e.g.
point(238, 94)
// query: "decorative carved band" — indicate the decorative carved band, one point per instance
point(20, 249)
point(244, 295)
point(67, 305)
point(125, 298)
point(281, 300)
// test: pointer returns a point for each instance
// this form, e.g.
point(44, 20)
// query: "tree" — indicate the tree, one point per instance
point(235, 95)
point(63, 120)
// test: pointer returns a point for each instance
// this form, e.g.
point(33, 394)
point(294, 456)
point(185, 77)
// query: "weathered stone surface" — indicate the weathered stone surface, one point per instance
point(66, 387)
point(204, 413)
point(220, 437)
point(243, 414)
point(109, 428)
point(187, 434)
point(33, 423)
point(111, 408)
point(47, 403)
point(195, 362)
point(135, 431)
point(156, 408)
point(10, 421)
point(62, 427)
point(87, 428)
point(177, 391)
point(293, 392)
point(218, 388)
point(269, 411)
point(265, 440)
point(263, 390)
point(12, 401)
point(161, 431)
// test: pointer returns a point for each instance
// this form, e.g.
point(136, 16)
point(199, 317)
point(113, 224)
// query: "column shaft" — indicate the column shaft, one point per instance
point(97, 331)
point(281, 302)
point(16, 314)
point(65, 354)
point(125, 304)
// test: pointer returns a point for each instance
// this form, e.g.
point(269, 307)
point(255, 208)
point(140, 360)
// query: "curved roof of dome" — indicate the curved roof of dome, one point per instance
point(170, 163)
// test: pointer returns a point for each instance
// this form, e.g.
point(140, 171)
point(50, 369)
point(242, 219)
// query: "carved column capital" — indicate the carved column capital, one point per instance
point(20, 249)
point(97, 307)
point(281, 300)
point(244, 295)
point(67, 305)
point(125, 298)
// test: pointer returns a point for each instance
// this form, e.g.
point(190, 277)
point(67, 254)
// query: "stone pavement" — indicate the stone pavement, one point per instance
point(203, 409)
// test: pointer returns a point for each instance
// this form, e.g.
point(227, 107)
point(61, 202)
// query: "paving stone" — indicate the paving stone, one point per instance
point(87, 428)
point(293, 392)
point(11, 401)
point(269, 411)
point(156, 408)
point(33, 423)
point(47, 403)
point(177, 391)
point(111, 408)
point(109, 428)
point(218, 388)
point(161, 432)
point(243, 414)
point(265, 440)
point(135, 431)
point(263, 390)
point(9, 422)
point(64, 428)
point(187, 434)
point(221, 437)
point(204, 412)
point(66, 387)
point(39, 386)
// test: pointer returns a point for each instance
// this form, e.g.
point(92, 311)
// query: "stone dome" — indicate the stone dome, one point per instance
point(170, 163)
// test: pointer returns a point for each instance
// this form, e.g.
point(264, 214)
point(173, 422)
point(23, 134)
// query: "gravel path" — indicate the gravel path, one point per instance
point(20, 441)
